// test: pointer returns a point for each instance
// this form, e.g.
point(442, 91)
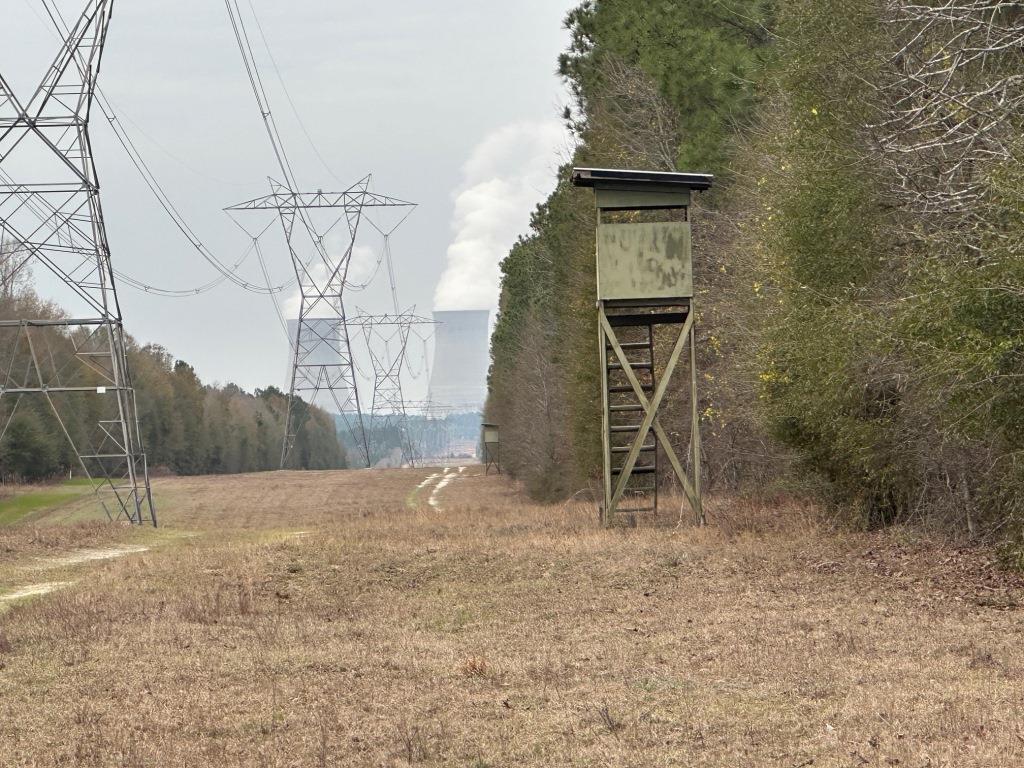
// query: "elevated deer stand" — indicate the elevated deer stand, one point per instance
point(490, 438)
point(644, 283)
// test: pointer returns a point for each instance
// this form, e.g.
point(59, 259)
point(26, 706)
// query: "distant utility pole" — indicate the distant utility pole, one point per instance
point(50, 207)
point(322, 358)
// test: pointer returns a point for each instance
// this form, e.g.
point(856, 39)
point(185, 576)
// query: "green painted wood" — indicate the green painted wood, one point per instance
point(644, 261)
point(651, 407)
point(633, 199)
point(677, 467)
point(606, 447)
point(695, 427)
point(692, 494)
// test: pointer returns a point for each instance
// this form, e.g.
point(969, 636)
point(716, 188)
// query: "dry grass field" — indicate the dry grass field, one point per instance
point(367, 619)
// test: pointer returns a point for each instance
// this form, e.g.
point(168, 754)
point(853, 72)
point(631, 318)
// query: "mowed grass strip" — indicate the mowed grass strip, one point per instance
point(496, 633)
point(26, 501)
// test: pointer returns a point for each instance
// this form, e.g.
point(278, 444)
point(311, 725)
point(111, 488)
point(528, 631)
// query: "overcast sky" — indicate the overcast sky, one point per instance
point(452, 104)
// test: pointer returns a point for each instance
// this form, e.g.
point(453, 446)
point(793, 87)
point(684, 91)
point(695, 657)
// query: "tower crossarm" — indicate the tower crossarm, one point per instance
point(351, 201)
point(405, 319)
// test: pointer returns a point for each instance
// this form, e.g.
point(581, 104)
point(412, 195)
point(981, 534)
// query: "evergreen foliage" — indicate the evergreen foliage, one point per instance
point(858, 266)
point(187, 427)
point(657, 85)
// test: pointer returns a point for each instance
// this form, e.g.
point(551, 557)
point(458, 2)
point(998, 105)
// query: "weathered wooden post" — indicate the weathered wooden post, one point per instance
point(644, 281)
point(491, 439)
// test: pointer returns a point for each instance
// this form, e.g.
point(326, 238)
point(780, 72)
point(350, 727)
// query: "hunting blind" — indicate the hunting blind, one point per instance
point(491, 440)
point(644, 282)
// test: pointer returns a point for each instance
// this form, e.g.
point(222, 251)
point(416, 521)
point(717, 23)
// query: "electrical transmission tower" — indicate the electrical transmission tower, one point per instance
point(387, 341)
point(322, 344)
point(50, 209)
point(322, 356)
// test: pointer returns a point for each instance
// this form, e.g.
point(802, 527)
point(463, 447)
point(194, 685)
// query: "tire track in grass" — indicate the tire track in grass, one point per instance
point(449, 477)
point(33, 590)
point(69, 560)
point(410, 500)
point(88, 556)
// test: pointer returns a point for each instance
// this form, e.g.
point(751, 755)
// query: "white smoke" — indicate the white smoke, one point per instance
point(506, 176)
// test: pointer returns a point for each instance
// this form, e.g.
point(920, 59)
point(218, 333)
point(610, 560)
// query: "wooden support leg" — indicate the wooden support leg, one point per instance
point(606, 449)
point(695, 429)
point(687, 338)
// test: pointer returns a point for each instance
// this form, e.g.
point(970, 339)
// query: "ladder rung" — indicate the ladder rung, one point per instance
point(632, 345)
point(627, 448)
point(634, 366)
point(626, 408)
point(626, 428)
point(646, 470)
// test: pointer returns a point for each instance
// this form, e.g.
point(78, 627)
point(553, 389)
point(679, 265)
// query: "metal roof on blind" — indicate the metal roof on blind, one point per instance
point(626, 179)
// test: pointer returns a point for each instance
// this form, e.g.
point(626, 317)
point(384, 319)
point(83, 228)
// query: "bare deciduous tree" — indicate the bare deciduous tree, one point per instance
point(15, 275)
point(953, 95)
point(632, 112)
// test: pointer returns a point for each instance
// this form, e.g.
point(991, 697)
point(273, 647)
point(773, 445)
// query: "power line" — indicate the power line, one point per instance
point(37, 207)
point(124, 116)
point(139, 162)
point(277, 305)
point(256, 81)
point(288, 96)
point(165, 202)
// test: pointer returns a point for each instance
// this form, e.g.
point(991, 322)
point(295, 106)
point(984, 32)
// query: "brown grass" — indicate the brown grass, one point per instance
point(497, 633)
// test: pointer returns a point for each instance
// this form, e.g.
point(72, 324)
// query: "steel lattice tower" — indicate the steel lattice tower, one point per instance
point(322, 357)
point(387, 341)
point(50, 209)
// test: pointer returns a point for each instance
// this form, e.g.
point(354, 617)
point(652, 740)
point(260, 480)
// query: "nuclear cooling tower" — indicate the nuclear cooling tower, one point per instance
point(458, 380)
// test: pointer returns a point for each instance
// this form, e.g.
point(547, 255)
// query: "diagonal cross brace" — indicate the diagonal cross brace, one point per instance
point(69, 239)
point(650, 408)
point(30, 118)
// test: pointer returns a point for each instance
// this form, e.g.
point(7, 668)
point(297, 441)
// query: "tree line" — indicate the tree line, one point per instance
point(858, 270)
point(187, 427)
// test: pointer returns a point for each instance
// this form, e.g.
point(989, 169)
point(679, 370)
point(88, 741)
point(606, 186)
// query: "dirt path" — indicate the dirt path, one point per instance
point(66, 562)
point(435, 482)
point(33, 590)
point(81, 556)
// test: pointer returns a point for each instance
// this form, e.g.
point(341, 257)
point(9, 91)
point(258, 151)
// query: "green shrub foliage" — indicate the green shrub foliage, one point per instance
point(858, 264)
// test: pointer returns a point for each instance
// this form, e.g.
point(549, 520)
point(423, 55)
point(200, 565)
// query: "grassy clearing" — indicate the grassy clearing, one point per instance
point(26, 501)
point(316, 620)
point(18, 507)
